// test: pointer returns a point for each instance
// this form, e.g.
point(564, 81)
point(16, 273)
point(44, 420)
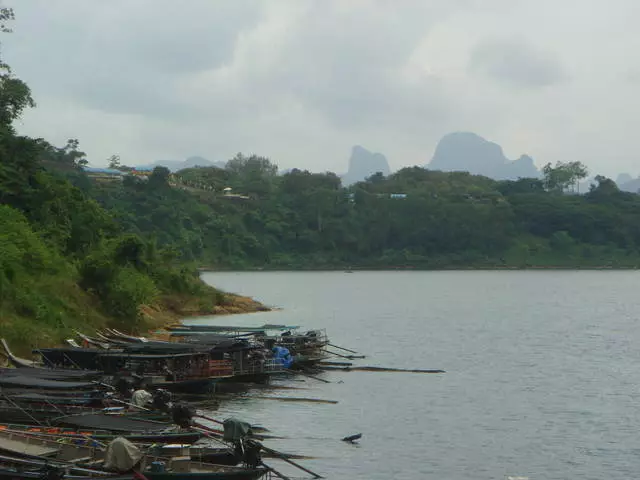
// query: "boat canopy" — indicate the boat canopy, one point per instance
point(235, 429)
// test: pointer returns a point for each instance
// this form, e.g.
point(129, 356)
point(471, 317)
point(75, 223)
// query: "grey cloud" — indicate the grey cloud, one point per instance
point(338, 59)
point(343, 61)
point(124, 56)
point(304, 80)
point(514, 61)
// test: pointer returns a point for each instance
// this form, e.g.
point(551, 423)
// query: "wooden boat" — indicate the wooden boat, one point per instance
point(113, 333)
point(308, 343)
point(230, 328)
point(88, 341)
point(16, 361)
point(12, 468)
point(175, 367)
point(92, 399)
point(35, 369)
point(180, 465)
point(16, 446)
point(62, 374)
point(24, 445)
point(200, 471)
point(32, 451)
point(175, 436)
point(205, 471)
point(13, 412)
point(112, 423)
point(169, 444)
point(33, 382)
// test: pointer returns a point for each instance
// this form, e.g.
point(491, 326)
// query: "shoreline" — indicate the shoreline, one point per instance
point(415, 268)
point(166, 311)
point(175, 309)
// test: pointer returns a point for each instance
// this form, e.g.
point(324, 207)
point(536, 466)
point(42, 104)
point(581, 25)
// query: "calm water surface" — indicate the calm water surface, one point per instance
point(542, 373)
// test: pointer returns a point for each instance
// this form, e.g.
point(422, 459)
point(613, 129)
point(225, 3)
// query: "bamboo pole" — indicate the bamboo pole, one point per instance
point(297, 399)
point(288, 460)
point(295, 372)
point(385, 369)
point(348, 357)
point(341, 348)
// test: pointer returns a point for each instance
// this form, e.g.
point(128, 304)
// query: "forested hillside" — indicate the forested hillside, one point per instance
point(65, 262)
point(413, 218)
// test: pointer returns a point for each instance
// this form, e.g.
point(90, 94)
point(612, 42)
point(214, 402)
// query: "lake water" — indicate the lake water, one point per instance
point(542, 373)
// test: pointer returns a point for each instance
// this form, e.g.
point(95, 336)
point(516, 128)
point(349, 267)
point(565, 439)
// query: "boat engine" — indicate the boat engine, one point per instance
point(49, 472)
point(182, 415)
point(161, 400)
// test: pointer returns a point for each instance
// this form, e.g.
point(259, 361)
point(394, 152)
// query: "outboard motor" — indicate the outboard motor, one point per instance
point(49, 472)
point(124, 387)
point(182, 415)
point(252, 457)
point(161, 400)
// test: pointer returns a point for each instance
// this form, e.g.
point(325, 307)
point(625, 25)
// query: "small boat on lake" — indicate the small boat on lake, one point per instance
point(112, 423)
point(80, 435)
point(25, 457)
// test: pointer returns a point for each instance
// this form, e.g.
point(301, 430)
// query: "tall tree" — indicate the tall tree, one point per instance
point(564, 176)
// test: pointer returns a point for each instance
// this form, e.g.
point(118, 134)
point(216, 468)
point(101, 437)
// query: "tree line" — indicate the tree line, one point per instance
point(440, 219)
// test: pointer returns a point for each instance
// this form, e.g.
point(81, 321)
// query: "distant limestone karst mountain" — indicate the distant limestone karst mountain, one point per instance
point(363, 164)
point(627, 183)
point(190, 162)
point(466, 151)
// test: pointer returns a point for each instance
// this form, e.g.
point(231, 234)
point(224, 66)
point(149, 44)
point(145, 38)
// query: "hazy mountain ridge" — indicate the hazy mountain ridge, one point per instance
point(627, 183)
point(457, 151)
point(190, 162)
point(469, 152)
point(363, 164)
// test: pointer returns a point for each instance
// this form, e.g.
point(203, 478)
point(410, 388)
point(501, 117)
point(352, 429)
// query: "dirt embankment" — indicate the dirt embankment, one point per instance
point(176, 307)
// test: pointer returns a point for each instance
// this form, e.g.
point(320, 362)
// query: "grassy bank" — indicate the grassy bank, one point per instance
point(78, 310)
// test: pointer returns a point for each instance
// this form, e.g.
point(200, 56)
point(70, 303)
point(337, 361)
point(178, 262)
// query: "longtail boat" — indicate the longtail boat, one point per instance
point(24, 445)
point(60, 374)
point(78, 435)
point(112, 423)
point(119, 460)
point(31, 382)
point(13, 412)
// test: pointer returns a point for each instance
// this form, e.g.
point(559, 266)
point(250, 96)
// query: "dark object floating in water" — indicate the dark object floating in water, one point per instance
point(352, 438)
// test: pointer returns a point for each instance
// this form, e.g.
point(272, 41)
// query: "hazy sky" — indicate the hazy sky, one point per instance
point(302, 81)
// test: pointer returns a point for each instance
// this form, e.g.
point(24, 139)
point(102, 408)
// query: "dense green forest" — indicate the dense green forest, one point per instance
point(413, 218)
point(65, 262)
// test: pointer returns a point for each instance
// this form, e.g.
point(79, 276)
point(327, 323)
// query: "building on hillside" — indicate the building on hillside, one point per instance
point(228, 193)
point(394, 196)
point(140, 172)
point(103, 174)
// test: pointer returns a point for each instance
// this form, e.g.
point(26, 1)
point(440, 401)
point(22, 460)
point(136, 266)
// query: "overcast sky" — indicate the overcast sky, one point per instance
point(302, 81)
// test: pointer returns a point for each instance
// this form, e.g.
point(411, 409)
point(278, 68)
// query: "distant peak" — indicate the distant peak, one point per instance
point(469, 152)
point(363, 163)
